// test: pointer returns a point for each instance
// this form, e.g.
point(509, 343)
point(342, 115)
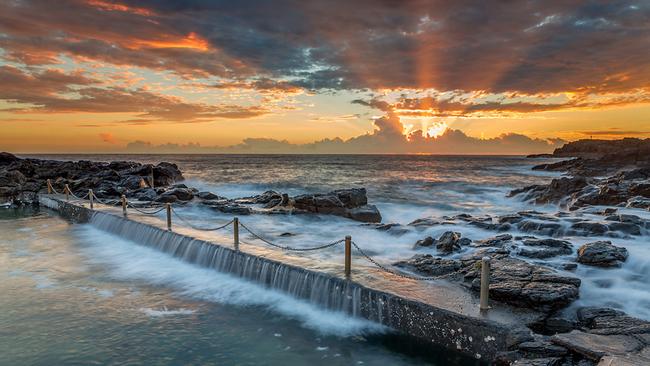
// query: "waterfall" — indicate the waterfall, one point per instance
point(327, 291)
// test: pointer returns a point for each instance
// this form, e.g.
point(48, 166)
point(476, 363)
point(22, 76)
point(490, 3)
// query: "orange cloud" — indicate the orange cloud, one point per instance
point(191, 41)
point(103, 5)
point(108, 138)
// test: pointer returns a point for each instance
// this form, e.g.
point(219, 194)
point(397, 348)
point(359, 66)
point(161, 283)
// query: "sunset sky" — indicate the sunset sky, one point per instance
point(330, 76)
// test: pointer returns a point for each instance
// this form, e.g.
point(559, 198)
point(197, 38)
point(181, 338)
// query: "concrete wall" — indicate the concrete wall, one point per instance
point(477, 337)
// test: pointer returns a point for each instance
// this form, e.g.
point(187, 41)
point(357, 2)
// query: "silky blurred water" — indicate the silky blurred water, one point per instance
point(73, 295)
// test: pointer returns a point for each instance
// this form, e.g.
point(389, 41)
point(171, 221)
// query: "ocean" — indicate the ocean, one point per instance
point(99, 297)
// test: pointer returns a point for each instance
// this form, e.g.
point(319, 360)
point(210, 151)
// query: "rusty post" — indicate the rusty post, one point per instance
point(49, 187)
point(485, 284)
point(124, 205)
point(169, 217)
point(67, 192)
point(235, 231)
point(90, 197)
point(348, 256)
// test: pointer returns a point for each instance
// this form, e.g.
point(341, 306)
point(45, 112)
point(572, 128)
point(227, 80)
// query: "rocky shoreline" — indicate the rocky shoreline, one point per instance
point(532, 263)
point(148, 184)
point(602, 177)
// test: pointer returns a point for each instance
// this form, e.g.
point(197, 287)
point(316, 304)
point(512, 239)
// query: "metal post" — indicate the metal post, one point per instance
point(348, 256)
point(485, 284)
point(124, 205)
point(152, 184)
point(67, 192)
point(49, 187)
point(90, 197)
point(169, 216)
point(235, 231)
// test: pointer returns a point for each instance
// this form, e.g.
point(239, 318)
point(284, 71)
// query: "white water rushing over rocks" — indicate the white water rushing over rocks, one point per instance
point(406, 188)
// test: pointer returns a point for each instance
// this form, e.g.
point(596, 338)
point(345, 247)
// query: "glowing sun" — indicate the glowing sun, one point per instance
point(437, 129)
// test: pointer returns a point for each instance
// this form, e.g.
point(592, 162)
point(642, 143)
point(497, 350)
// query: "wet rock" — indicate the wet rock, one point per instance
point(448, 242)
point(11, 183)
point(228, 207)
point(208, 196)
point(145, 194)
point(351, 203)
point(638, 202)
point(541, 349)
point(595, 346)
point(425, 222)
point(287, 234)
point(495, 241)
point(554, 192)
point(7, 158)
point(610, 321)
point(133, 182)
point(393, 229)
point(589, 228)
point(625, 228)
point(540, 227)
point(166, 174)
point(428, 265)
point(367, 213)
point(527, 285)
point(181, 194)
point(545, 248)
point(601, 253)
point(426, 242)
point(569, 266)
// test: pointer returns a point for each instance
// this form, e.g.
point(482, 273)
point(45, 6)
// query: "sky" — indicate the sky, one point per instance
point(335, 76)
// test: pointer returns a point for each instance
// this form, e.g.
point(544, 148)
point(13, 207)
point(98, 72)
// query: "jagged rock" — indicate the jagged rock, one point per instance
point(540, 227)
point(554, 192)
point(367, 213)
point(392, 228)
point(145, 194)
point(541, 349)
point(595, 346)
point(207, 196)
point(428, 265)
point(351, 203)
point(545, 248)
point(638, 202)
point(601, 253)
point(426, 242)
point(448, 242)
point(528, 285)
point(425, 222)
point(589, 228)
point(610, 321)
point(495, 241)
point(228, 207)
point(182, 194)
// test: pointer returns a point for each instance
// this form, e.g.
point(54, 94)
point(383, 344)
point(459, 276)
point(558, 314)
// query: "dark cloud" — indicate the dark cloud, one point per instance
point(528, 46)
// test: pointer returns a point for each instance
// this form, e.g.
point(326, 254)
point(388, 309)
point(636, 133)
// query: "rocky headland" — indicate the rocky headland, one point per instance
point(601, 179)
point(21, 179)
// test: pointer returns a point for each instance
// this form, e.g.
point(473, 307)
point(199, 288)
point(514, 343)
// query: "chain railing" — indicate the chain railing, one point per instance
point(485, 271)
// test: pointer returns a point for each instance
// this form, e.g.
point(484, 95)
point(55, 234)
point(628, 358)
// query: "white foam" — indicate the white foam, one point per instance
point(166, 312)
point(129, 261)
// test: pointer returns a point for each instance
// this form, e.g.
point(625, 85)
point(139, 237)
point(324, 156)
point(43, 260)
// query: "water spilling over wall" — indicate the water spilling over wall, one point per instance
point(480, 338)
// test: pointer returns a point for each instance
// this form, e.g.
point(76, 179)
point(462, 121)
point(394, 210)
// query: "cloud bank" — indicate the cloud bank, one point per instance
point(388, 138)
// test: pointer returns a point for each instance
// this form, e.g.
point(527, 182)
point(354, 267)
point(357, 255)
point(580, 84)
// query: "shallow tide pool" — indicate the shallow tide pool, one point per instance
point(72, 294)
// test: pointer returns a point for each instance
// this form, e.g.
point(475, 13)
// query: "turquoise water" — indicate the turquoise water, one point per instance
point(72, 294)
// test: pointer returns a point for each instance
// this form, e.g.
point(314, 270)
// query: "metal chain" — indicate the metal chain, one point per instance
point(146, 212)
point(200, 228)
point(396, 273)
point(284, 247)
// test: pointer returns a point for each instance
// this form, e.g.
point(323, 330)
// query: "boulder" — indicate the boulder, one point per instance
point(367, 213)
point(589, 228)
point(182, 194)
point(496, 241)
point(527, 285)
point(207, 196)
point(601, 253)
point(545, 248)
point(448, 242)
point(426, 242)
point(428, 265)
